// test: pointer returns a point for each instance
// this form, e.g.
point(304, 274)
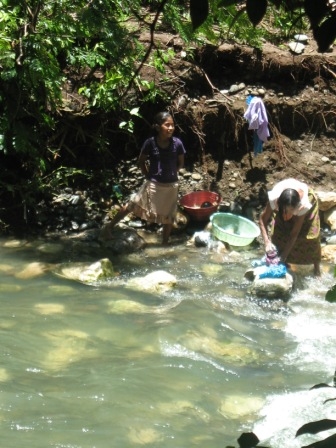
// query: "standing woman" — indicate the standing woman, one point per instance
point(160, 159)
point(293, 210)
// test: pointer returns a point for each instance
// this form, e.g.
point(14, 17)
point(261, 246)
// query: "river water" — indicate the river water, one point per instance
point(108, 366)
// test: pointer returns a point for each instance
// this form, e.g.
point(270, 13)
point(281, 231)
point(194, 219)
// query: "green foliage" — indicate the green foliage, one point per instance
point(95, 47)
point(128, 125)
point(321, 15)
point(331, 293)
point(65, 177)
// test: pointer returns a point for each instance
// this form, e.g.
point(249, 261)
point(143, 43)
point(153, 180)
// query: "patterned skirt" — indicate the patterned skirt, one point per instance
point(155, 202)
point(307, 248)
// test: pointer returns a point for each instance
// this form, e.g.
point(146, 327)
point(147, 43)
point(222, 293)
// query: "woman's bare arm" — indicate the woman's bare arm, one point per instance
point(263, 223)
point(180, 161)
point(143, 165)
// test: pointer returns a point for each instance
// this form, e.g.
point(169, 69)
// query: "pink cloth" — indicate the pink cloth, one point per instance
point(256, 115)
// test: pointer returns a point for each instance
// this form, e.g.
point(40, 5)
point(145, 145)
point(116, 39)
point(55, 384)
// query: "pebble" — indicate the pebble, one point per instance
point(296, 47)
point(301, 38)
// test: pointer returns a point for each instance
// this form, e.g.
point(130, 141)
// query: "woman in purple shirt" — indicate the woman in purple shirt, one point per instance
point(160, 159)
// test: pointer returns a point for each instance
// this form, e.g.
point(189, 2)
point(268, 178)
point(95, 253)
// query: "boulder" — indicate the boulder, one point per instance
point(329, 253)
point(326, 200)
point(98, 271)
point(124, 241)
point(330, 218)
point(271, 288)
point(157, 281)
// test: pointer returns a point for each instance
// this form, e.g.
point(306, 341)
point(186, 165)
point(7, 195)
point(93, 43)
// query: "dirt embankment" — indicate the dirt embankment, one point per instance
point(299, 95)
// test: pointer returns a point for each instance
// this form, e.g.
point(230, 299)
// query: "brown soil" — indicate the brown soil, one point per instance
point(299, 95)
point(300, 101)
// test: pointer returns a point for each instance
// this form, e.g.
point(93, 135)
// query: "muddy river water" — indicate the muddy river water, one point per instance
point(97, 366)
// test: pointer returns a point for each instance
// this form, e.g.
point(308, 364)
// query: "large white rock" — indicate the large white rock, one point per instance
point(329, 253)
point(330, 218)
point(271, 288)
point(296, 47)
point(100, 270)
point(326, 200)
point(157, 281)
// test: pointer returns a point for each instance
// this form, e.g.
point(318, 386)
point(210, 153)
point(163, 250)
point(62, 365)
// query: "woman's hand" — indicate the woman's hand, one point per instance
point(269, 246)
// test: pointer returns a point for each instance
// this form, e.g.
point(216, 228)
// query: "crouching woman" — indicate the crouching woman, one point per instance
point(293, 212)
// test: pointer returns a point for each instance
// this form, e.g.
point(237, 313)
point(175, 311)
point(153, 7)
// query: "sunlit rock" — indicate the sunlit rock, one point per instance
point(271, 288)
point(7, 324)
point(150, 238)
point(15, 243)
point(234, 256)
point(61, 289)
point(129, 307)
point(326, 200)
point(296, 47)
point(4, 375)
point(9, 287)
point(211, 269)
point(329, 218)
point(50, 248)
point(144, 436)
point(6, 268)
point(32, 270)
point(303, 38)
point(123, 241)
point(237, 406)
point(98, 271)
point(201, 238)
point(125, 306)
point(235, 353)
point(68, 346)
point(157, 281)
point(49, 308)
point(181, 221)
point(183, 407)
point(101, 270)
point(129, 340)
point(330, 239)
point(329, 253)
point(202, 439)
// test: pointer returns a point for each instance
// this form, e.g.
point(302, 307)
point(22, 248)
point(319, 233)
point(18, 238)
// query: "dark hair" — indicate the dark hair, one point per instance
point(288, 198)
point(161, 117)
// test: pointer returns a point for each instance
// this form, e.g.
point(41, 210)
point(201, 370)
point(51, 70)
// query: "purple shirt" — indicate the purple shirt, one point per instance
point(163, 162)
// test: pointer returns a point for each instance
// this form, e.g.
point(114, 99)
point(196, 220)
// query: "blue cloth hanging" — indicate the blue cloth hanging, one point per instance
point(249, 99)
point(257, 144)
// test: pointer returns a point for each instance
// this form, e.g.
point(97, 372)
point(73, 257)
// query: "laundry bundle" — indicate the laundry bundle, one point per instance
point(256, 116)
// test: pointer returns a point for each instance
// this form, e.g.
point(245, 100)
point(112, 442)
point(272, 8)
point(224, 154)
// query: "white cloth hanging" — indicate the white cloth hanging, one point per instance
point(256, 116)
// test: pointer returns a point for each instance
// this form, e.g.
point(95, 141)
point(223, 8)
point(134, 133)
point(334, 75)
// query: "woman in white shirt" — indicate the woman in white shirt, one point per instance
point(292, 209)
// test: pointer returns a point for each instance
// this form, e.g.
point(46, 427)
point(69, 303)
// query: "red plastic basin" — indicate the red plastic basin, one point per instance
point(191, 203)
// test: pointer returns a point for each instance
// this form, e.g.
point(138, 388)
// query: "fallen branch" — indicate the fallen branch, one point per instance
point(329, 70)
